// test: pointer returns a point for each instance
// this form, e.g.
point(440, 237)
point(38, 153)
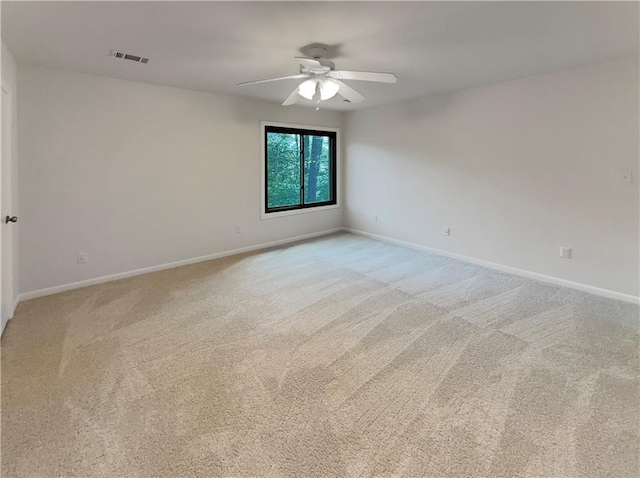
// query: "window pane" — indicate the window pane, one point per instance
point(283, 169)
point(317, 169)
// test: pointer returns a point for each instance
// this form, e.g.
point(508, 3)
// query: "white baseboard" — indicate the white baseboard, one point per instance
point(511, 270)
point(491, 265)
point(146, 270)
point(13, 311)
point(16, 302)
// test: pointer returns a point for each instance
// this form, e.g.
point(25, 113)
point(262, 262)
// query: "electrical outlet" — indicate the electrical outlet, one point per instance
point(83, 257)
point(238, 230)
point(625, 177)
point(565, 252)
point(446, 231)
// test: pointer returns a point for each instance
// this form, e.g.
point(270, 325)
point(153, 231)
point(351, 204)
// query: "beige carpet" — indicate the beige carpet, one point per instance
point(341, 356)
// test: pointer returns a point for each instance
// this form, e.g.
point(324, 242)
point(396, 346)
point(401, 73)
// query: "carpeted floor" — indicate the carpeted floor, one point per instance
point(341, 356)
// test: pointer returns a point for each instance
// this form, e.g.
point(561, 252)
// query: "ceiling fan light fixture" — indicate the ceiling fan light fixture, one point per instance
point(328, 89)
point(307, 89)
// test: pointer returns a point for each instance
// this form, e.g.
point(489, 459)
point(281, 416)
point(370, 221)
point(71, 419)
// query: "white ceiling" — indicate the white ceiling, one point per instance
point(431, 46)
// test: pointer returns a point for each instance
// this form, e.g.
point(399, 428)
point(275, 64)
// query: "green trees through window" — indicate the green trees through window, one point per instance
point(300, 168)
point(283, 169)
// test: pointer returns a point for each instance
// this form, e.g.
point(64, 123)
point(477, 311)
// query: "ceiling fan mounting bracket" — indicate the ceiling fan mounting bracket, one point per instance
point(320, 53)
point(317, 52)
point(320, 50)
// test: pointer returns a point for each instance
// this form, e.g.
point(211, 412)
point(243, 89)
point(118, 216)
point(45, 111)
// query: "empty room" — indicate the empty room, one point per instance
point(320, 239)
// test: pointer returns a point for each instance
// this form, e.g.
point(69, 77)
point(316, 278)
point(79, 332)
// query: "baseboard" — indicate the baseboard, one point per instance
point(146, 270)
point(491, 265)
point(16, 302)
point(511, 270)
point(13, 311)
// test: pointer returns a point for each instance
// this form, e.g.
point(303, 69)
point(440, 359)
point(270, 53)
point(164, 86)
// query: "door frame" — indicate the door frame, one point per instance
point(7, 305)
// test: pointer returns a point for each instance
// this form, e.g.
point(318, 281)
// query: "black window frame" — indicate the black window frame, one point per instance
point(333, 167)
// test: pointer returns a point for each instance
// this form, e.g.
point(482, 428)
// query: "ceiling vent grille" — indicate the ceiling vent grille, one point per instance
point(128, 56)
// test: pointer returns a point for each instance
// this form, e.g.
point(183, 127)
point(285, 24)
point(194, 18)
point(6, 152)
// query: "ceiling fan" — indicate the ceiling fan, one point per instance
point(323, 82)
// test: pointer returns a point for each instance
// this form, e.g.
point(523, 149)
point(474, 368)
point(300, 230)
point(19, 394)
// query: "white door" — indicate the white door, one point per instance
point(6, 229)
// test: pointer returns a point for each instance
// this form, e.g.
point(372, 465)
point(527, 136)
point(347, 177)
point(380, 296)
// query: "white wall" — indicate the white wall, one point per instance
point(515, 169)
point(138, 175)
point(10, 204)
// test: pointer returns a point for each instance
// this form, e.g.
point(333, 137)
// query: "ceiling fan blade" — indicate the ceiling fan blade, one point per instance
point(291, 99)
point(292, 77)
point(349, 93)
point(362, 76)
point(309, 62)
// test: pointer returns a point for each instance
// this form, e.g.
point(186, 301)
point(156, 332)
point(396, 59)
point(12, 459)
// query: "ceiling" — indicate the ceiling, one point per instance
point(431, 46)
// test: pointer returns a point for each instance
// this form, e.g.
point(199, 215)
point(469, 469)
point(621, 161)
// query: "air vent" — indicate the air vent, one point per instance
point(129, 56)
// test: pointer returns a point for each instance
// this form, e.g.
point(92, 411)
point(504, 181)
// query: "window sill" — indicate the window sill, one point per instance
point(274, 215)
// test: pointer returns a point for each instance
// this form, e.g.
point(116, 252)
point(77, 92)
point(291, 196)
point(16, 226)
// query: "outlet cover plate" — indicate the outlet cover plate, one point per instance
point(565, 252)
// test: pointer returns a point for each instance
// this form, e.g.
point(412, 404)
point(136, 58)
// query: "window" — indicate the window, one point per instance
point(300, 169)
